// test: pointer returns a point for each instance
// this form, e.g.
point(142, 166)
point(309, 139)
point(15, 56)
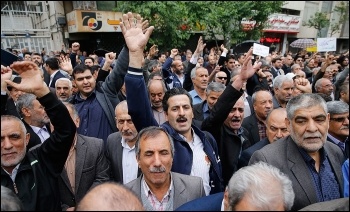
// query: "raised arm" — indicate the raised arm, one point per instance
point(54, 151)
point(139, 106)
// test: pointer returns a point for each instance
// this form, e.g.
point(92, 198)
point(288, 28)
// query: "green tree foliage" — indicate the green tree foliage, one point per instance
point(319, 21)
point(174, 21)
point(341, 10)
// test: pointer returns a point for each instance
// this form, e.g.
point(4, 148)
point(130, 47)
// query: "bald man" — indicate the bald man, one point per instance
point(110, 197)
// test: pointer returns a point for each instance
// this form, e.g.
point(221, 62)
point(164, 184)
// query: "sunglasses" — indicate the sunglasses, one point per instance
point(222, 78)
point(340, 119)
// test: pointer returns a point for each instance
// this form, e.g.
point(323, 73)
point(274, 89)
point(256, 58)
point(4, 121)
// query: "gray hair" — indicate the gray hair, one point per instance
point(64, 79)
point(9, 200)
point(255, 93)
point(279, 80)
point(306, 100)
point(14, 118)
point(25, 101)
point(216, 87)
point(150, 81)
point(152, 132)
point(294, 66)
point(337, 107)
point(251, 182)
point(194, 70)
point(319, 82)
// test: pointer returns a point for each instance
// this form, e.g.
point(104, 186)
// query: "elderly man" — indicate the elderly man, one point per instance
point(120, 147)
point(158, 187)
point(256, 122)
point(221, 77)
point(156, 90)
point(173, 71)
point(325, 86)
point(276, 128)
point(344, 92)
point(259, 187)
point(63, 87)
point(338, 131)
point(33, 176)
point(110, 196)
point(313, 165)
point(199, 78)
point(283, 88)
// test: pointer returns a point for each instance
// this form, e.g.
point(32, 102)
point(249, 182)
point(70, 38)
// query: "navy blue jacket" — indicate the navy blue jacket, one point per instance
point(207, 203)
point(139, 108)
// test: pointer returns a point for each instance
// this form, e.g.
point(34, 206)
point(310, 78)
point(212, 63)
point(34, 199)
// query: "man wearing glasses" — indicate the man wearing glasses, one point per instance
point(338, 131)
point(221, 77)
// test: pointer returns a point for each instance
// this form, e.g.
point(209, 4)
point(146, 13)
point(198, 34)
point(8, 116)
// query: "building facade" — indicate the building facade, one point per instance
point(54, 25)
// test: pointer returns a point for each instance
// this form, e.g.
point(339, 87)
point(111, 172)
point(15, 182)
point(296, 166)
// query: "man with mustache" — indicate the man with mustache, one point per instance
point(312, 163)
point(63, 87)
point(196, 151)
point(158, 188)
point(120, 147)
point(283, 88)
point(338, 131)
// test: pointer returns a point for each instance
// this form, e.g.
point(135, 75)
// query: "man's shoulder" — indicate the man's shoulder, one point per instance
point(186, 178)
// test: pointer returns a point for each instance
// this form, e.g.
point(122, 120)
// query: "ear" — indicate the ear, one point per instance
point(226, 200)
point(77, 122)
point(25, 111)
point(286, 120)
point(166, 116)
point(27, 138)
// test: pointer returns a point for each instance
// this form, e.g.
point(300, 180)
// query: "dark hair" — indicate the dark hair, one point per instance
point(173, 92)
point(81, 68)
point(53, 63)
point(229, 57)
point(92, 59)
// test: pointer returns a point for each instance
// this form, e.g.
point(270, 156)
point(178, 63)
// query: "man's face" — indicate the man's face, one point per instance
point(38, 116)
point(278, 64)
point(276, 127)
point(162, 58)
point(13, 144)
point(339, 126)
point(300, 74)
point(155, 159)
point(124, 124)
point(179, 68)
point(200, 81)
point(180, 113)
point(326, 87)
point(288, 60)
point(309, 128)
point(27, 57)
point(15, 94)
point(37, 59)
point(221, 77)
point(88, 62)
point(328, 74)
point(235, 117)
point(241, 59)
point(284, 93)
point(156, 94)
point(263, 104)
point(85, 82)
point(63, 91)
point(212, 59)
point(230, 64)
point(212, 98)
point(269, 77)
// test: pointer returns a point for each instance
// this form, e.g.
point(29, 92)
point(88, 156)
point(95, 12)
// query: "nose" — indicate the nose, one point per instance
point(279, 134)
point(346, 121)
point(157, 161)
point(311, 126)
point(6, 143)
point(125, 126)
point(181, 111)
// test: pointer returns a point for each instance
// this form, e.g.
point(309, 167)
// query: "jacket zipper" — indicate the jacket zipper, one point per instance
point(15, 187)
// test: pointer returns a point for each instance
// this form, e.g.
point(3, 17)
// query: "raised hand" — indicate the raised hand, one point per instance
point(6, 74)
point(66, 65)
point(200, 45)
point(248, 69)
point(132, 29)
point(32, 80)
point(303, 85)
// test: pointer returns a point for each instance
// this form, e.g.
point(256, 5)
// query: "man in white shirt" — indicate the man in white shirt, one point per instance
point(120, 147)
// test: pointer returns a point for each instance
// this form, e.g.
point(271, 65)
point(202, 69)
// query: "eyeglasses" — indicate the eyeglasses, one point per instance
point(340, 119)
point(222, 78)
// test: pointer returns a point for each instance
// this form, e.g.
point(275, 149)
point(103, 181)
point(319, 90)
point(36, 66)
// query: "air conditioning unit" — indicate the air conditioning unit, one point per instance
point(61, 20)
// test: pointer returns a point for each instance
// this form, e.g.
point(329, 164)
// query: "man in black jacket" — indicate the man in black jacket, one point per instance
point(33, 176)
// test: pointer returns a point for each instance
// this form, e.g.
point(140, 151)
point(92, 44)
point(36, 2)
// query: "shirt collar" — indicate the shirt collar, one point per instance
point(125, 145)
point(148, 190)
point(53, 74)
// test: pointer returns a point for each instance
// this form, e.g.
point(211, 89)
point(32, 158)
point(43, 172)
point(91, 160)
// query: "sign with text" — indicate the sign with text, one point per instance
point(283, 23)
point(326, 44)
point(260, 50)
point(93, 21)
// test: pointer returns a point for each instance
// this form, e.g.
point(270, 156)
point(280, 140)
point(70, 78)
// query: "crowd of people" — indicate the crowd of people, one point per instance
point(205, 130)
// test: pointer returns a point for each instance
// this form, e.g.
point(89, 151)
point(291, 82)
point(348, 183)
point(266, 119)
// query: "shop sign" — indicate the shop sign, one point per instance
point(283, 23)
